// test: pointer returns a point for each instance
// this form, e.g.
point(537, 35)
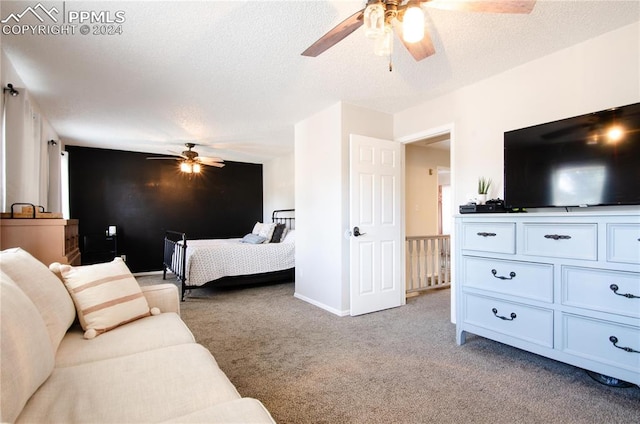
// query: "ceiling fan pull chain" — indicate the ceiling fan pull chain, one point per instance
point(390, 64)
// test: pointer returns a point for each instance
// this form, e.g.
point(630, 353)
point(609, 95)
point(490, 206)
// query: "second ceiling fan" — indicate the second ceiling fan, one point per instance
point(190, 161)
point(382, 17)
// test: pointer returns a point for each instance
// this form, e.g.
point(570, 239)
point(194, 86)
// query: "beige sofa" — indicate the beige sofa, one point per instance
point(147, 370)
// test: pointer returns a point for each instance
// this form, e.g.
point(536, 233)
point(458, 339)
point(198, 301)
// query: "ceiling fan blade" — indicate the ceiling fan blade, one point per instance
point(163, 157)
point(177, 154)
point(487, 6)
point(216, 164)
point(207, 160)
point(419, 50)
point(337, 34)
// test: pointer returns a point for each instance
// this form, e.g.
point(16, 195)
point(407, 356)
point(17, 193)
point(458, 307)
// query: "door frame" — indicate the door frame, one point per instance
point(420, 135)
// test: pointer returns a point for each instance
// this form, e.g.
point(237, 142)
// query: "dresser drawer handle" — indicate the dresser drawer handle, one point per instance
point(614, 340)
point(614, 288)
point(513, 316)
point(557, 237)
point(502, 277)
point(483, 234)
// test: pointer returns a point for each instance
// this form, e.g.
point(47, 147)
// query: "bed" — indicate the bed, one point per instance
point(202, 262)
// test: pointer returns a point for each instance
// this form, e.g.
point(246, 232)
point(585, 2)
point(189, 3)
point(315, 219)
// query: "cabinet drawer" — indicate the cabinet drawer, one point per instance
point(489, 237)
point(623, 243)
point(520, 321)
point(572, 241)
point(593, 339)
point(523, 279)
point(71, 239)
point(596, 289)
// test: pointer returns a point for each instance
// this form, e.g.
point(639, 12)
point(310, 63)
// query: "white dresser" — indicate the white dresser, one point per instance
point(561, 285)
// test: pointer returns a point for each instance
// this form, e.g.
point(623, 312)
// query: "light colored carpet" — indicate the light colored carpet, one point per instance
point(396, 366)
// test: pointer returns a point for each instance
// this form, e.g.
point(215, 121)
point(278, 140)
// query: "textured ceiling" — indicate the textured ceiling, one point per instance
point(229, 75)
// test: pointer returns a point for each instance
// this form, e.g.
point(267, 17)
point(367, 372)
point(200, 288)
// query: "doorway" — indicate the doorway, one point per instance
point(428, 212)
point(428, 185)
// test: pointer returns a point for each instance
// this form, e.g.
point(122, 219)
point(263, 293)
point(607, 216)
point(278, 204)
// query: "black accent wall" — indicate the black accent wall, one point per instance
point(143, 198)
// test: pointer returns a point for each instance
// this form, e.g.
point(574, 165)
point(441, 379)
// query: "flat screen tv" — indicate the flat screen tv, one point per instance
point(587, 160)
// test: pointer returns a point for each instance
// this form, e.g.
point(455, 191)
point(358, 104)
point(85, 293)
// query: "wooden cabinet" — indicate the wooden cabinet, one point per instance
point(561, 285)
point(48, 240)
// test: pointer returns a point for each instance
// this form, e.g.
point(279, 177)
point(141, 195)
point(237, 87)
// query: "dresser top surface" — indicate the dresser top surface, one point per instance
point(17, 222)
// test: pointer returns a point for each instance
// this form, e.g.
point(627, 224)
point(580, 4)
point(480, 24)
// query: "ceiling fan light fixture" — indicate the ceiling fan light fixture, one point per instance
point(190, 167)
point(384, 44)
point(374, 20)
point(185, 167)
point(413, 24)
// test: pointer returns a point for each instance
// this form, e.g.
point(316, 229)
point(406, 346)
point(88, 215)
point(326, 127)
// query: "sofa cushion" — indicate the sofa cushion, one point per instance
point(239, 411)
point(43, 288)
point(26, 355)
point(149, 386)
point(106, 295)
point(148, 333)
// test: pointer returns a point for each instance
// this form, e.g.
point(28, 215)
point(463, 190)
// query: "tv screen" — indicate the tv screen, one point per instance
point(586, 160)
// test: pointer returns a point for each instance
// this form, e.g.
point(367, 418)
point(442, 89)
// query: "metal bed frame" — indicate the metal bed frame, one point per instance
point(175, 247)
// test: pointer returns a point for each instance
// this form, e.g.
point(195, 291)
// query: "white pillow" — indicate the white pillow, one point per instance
point(257, 228)
point(266, 231)
point(106, 296)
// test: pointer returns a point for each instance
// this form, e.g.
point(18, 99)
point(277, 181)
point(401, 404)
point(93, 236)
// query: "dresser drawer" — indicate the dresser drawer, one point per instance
point(594, 339)
point(516, 320)
point(596, 289)
point(489, 237)
point(524, 279)
point(623, 243)
point(71, 238)
point(572, 241)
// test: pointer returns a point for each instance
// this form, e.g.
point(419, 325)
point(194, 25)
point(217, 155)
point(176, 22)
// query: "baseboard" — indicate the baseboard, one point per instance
point(321, 305)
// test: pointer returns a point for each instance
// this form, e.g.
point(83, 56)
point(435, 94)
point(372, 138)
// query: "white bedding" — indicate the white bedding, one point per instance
point(208, 260)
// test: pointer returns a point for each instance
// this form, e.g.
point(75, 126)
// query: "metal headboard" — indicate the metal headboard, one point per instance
point(284, 216)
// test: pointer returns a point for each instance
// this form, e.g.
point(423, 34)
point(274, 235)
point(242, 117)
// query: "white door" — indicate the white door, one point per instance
point(376, 234)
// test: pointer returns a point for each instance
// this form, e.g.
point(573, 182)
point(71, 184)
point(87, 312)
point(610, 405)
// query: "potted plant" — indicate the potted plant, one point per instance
point(483, 189)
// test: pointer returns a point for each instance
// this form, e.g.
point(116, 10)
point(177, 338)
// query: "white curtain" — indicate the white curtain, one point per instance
point(31, 170)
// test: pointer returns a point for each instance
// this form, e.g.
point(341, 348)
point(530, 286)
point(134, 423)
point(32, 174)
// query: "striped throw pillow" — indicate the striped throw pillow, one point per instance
point(106, 295)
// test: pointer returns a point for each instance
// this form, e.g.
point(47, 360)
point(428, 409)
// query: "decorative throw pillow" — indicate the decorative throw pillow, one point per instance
point(278, 233)
point(257, 228)
point(106, 296)
point(267, 232)
point(252, 239)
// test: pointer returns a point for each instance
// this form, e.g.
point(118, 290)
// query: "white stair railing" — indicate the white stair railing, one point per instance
point(428, 262)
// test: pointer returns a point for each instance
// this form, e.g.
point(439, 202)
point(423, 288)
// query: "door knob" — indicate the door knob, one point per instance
point(356, 232)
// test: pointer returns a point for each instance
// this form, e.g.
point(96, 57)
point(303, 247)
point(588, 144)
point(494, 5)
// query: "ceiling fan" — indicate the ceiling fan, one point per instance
point(381, 17)
point(190, 161)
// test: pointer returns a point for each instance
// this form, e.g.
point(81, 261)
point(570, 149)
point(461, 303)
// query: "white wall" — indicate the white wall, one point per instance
point(318, 199)
point(322, 200)
point(597, 74)
point(278, 185)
